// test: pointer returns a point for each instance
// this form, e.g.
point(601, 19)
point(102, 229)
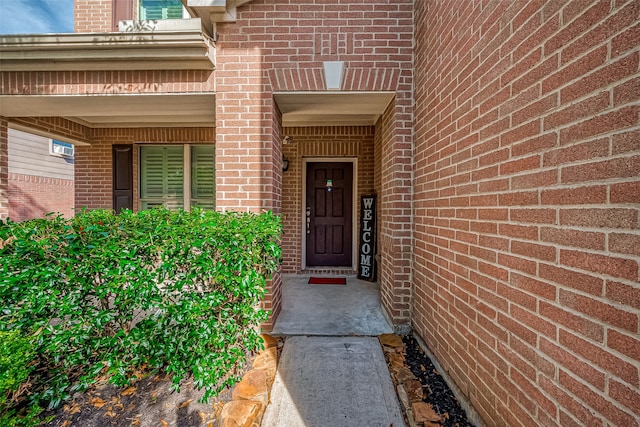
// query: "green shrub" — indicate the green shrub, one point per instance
point(16, 357)
point(177, 292)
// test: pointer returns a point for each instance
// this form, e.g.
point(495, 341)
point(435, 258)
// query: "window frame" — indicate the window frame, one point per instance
point(187, 178)
point(142, 16)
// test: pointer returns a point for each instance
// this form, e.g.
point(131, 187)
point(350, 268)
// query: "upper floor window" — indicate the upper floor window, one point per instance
point(160, 9)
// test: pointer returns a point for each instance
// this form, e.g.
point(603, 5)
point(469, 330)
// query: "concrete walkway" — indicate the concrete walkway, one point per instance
point(351, 309)
point(332, 381)
point(335, 379)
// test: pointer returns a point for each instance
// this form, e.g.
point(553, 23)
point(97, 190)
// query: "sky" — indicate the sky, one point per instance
point(36, 16)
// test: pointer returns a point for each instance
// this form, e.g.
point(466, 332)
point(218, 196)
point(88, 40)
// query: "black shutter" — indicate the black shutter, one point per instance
point(122, 177)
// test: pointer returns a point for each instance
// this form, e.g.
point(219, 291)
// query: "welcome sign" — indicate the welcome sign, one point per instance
point(367, 248)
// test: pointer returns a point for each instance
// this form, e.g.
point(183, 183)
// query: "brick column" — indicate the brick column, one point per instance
point(4, 169)
point(248, 145)
point(393, 152)
point(244, 140)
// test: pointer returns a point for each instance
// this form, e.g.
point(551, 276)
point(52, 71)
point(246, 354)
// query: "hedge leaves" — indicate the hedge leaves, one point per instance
point(105, 295)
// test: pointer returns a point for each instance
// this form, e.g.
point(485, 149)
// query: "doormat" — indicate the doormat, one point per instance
point(327, 281)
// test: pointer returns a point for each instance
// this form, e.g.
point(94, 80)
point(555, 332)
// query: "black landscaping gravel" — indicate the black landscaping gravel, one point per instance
point(436, 391)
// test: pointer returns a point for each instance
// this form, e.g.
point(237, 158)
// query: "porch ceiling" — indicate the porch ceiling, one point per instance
point(332, 108)
point(104, 111)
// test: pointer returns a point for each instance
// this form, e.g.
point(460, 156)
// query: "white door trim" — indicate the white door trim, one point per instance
point(354, 206)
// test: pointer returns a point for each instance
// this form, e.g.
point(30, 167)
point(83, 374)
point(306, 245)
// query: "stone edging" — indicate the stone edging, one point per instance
point(250, 396)
point(409, 388)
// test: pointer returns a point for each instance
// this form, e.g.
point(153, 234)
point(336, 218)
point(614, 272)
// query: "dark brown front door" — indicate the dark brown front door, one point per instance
point(329, 214)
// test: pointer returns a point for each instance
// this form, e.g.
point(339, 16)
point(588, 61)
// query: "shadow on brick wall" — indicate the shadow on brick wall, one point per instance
point(24, 205)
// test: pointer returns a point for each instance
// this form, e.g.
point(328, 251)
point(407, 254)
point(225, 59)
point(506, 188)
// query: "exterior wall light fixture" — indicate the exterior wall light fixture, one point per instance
point(333, 72)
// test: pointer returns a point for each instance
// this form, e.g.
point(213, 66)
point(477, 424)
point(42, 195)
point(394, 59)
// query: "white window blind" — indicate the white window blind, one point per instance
point(162, 176)
point(203, 179)
point(167, 171)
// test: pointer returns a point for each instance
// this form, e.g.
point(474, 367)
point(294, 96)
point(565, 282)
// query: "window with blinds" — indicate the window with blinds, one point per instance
point(177, 176)
point(160, 9)
point(203, 179)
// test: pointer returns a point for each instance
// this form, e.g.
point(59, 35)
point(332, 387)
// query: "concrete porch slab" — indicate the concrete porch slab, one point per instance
point(334, 310)
point(332, 381)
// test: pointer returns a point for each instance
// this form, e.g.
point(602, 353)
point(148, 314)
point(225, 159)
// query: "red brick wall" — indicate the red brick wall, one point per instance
point(4, 168)
point(244, 133)
point(106, 82)
point(58, 126)
point(280, 46)
point(273, 300)
point(35, 196)
point(92, 16)
point(527, 200)
point(93, 163)
point(393, 180)
point(15, 185)
point(276, 159)
point(330, 141)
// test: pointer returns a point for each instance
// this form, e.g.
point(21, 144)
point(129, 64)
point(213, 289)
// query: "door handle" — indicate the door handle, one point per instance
point(308, 219)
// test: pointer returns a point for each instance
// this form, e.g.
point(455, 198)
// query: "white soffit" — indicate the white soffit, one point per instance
point(332, 108)
point(98, 111)
point(214, 11)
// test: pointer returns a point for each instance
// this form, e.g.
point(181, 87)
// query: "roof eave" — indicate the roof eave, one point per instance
point(181, 50)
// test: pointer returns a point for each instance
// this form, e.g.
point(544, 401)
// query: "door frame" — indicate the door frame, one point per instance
point(354, 207)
